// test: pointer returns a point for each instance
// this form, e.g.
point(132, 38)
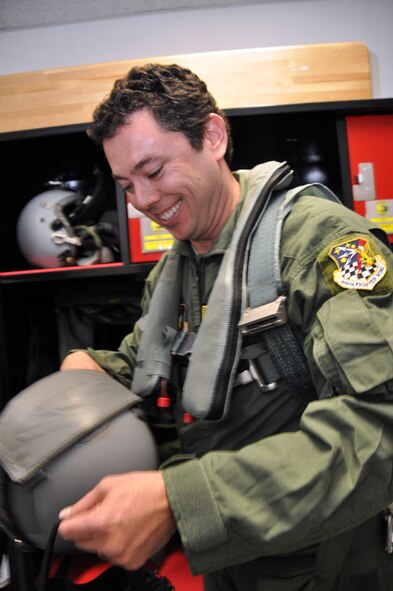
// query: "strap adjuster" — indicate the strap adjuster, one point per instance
point(183, 344)
point(256, 320)
point(389, 530)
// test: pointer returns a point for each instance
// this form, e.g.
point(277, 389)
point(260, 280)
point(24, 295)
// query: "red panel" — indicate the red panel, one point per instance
point(136, 253)
point(84, 568)
point(148, 240)
point(175, 568)
point(370, 139)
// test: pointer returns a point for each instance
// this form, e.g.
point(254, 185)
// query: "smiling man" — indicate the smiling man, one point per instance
point(285, 468)
point(191, 193)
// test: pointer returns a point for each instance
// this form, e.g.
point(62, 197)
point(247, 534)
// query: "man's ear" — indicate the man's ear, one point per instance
point(216, 135)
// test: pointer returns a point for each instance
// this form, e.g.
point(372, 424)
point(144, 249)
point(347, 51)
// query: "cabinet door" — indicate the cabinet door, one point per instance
point(370, 144)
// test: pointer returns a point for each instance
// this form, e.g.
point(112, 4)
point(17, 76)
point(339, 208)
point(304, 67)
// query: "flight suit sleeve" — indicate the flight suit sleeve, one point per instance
point(119, 364)
point(341, 298)
point(288, 491)
point(291, 490)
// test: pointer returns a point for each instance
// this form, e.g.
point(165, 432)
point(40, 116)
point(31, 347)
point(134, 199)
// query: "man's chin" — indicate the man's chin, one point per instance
point(177, 233)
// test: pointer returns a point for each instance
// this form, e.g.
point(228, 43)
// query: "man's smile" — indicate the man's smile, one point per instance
point(170, 213)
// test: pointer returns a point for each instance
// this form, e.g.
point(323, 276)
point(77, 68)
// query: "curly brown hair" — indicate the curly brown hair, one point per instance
point(178, 99)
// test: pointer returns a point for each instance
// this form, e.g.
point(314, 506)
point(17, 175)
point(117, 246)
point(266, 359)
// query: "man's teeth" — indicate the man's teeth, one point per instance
point(165, 217)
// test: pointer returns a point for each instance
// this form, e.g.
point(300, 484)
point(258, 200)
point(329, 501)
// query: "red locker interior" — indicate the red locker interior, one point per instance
point(370, 140)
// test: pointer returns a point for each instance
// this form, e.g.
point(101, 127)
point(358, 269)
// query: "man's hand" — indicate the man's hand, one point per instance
point(125, 518)
point(79, 360)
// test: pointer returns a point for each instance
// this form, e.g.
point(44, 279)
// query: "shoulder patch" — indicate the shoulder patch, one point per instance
point(357, 266)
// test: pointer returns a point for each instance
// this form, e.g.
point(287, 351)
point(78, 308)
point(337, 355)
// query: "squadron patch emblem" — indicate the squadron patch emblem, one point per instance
point(357, 268)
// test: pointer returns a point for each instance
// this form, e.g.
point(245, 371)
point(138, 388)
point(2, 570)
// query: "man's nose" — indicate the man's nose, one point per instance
point(145, 197)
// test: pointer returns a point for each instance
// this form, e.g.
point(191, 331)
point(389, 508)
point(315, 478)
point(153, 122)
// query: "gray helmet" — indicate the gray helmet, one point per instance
point(59, 437)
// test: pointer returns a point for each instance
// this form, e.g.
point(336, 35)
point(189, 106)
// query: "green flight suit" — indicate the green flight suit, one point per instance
point(270, 491)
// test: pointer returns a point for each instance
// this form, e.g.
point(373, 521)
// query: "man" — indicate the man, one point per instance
point(279, 492)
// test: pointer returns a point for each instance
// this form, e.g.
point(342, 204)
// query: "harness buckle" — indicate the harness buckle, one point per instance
point(257, 377)
point(262, 318)
point(261, 368)
point(183, 344)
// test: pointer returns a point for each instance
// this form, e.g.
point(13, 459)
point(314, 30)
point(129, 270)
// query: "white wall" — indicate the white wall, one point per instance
point(266, 24)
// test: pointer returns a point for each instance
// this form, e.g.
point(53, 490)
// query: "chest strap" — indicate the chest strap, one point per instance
point(215, 359)
point(266, 314)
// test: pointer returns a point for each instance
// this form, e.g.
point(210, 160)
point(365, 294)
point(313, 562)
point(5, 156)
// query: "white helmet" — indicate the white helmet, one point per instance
point(55, 227)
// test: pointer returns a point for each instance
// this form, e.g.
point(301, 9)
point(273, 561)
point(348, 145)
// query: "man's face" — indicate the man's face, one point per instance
point(167, 180)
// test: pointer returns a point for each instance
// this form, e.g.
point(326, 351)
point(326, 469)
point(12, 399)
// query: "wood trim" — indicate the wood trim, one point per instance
point(237, 79)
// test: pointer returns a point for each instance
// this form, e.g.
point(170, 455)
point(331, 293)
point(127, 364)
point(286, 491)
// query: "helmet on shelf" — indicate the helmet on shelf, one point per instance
point(60, 226)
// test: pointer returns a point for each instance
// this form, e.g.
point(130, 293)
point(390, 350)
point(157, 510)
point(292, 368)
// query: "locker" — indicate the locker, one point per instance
point(370, 146)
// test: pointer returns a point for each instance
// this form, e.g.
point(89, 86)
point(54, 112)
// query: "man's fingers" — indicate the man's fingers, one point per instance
point(126, 518)
point(86, 503)
point(81, 526)
point(80, 521)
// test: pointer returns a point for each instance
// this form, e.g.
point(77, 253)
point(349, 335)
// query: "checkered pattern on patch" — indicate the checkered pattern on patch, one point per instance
point(352, 271)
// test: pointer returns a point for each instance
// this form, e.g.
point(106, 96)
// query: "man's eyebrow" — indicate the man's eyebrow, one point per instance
point(141, 164)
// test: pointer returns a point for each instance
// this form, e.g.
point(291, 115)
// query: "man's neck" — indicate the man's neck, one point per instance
point(231, 198)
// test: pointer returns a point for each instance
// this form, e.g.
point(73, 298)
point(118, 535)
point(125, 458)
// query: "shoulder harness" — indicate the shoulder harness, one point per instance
point(247, 298)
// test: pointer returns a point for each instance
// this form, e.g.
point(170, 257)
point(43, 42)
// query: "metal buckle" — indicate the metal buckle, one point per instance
point(255, 320)
point(252, 375)
point(389, 530)
point(257, 377)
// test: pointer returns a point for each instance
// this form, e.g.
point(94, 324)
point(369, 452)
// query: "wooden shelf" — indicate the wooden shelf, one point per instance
point(237, 79)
